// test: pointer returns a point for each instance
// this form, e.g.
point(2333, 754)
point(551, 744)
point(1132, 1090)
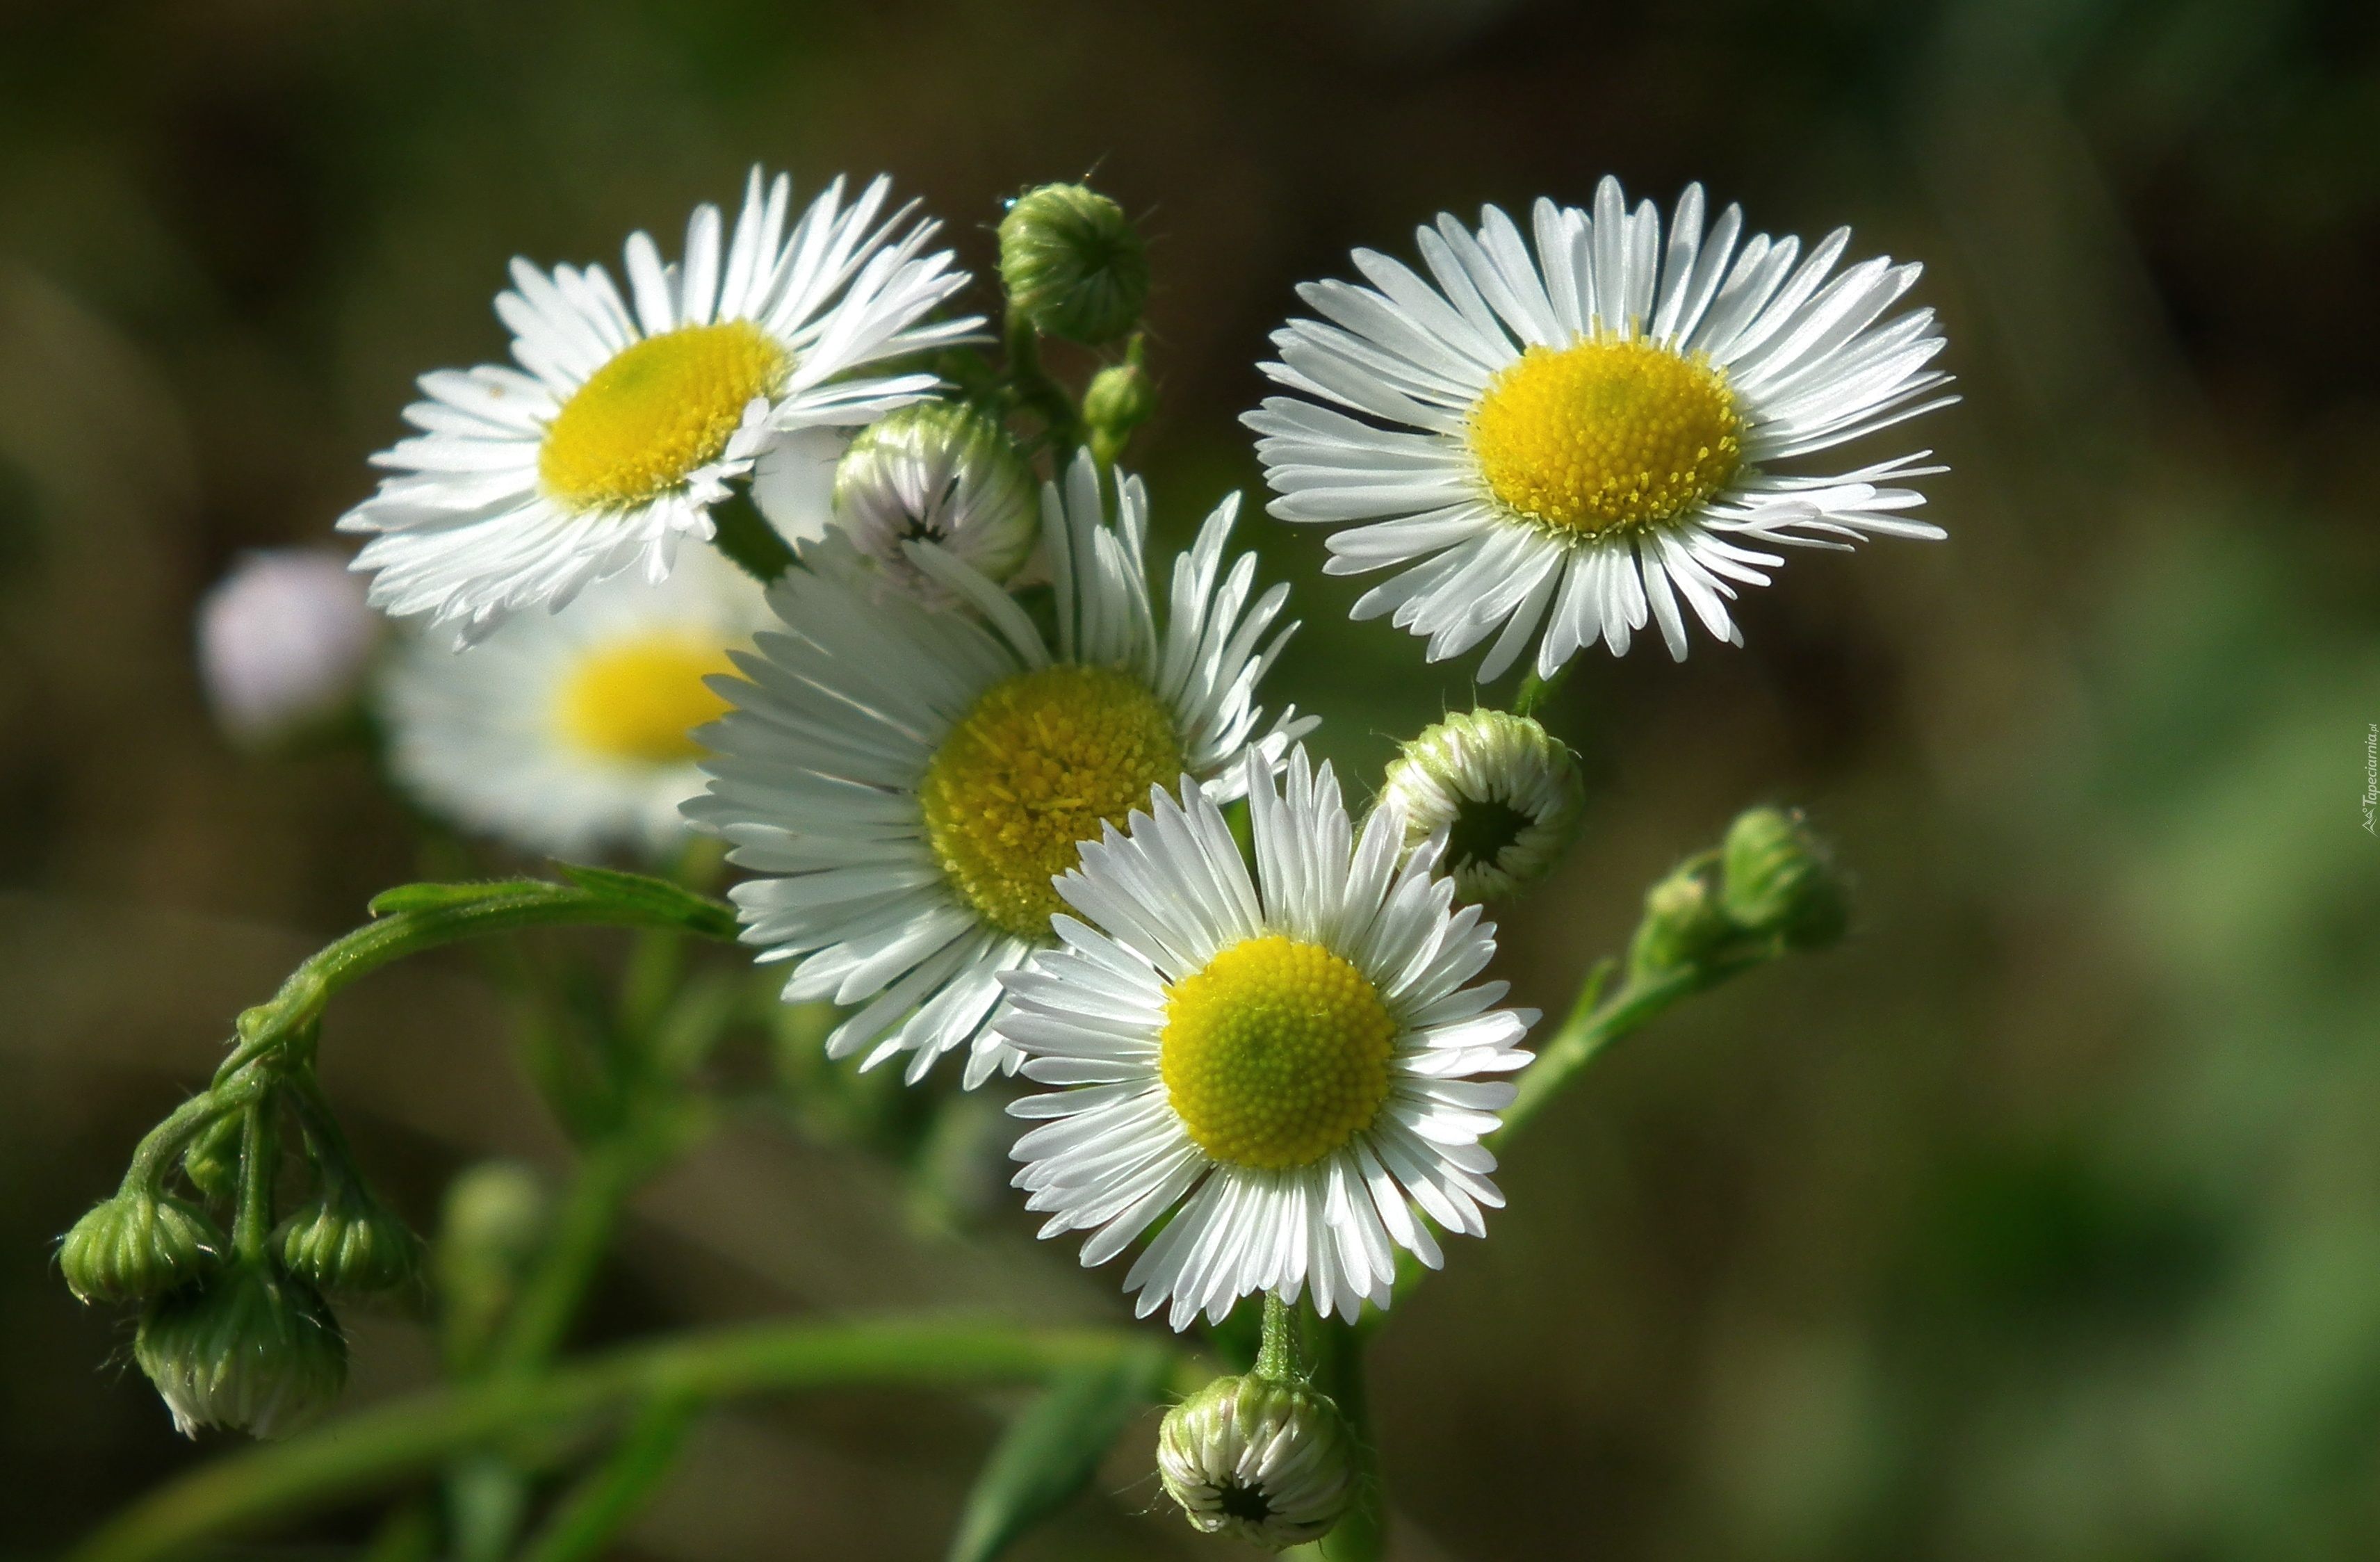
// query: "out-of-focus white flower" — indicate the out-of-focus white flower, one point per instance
point(283, 641)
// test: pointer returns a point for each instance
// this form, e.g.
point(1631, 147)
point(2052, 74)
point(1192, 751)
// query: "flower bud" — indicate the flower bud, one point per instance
point(139, 1245)
point(1507, 795)
point(1779, 879)
point(1263, 1459)
point(495, 1217)
point(1684, 923)
point(283, 641)
point(347, 1240)
point(1121, 397)
point(255, 1350)
point(1073, 264)
point(941, 472)
point(212, 1163)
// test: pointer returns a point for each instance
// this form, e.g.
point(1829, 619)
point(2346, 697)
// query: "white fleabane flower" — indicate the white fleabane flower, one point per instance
point(904, 783)
point(283, 641)
point(1574, 438)
point(628, 415)
point(569, 732)
point(1291, 1061)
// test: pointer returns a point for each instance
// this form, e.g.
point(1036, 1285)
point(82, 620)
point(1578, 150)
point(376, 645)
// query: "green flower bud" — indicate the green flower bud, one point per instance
point(347, 1240)
point(1260, 1459)
point(941, 472)
point(1122, 397)
point(1073, 264)
point(496, 1218)
point(1779, 879)
point(256, 1350)
point(139, 1245)
point(212, 1163)
point(1507, 795)
point(1684, 923)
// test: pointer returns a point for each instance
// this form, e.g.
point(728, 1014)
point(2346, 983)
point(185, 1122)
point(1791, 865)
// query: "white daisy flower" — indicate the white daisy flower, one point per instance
point(906, 782)
point(1576, 438)
point(634, 413)
point(1291, 1062)
point(567, 733)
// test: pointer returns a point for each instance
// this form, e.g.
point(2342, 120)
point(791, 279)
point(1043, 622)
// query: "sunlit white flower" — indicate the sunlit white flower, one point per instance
point(565, 733)
point(634, 412)
point(1293, 1062)
point(904, 782)
point(1573, 437)
point(283, 641)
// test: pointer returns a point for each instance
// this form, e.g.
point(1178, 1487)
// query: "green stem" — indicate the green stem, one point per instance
point(418, 917)
point(541, 1315)
point(1535, 691)
point(744, 534)
point(391, 1442)
point(593, 1512)
point(1033, 389)
point(260, 1164)
point(1592, 1026)
point(1277, 1355)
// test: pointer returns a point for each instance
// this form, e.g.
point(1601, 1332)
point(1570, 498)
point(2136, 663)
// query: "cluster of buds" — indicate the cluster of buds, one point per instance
point(234, 1331)
point(1770, 888)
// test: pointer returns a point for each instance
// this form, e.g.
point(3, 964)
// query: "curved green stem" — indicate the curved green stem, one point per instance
point(1592, 1025)
point(381, 1447)
point(1033, 389)
point(541, 1315)
point(585, 1521)
point(259, 1167)
point(417, 917)
point(745, 536)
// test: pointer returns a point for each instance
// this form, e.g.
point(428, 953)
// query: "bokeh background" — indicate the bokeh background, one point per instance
point(2041, 1220)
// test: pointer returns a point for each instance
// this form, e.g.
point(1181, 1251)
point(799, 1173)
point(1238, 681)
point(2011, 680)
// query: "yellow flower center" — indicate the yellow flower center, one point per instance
point(1041, 762)
point(1606, 436)
point(1276, 1054)
point(637, 701)
point(645, 421)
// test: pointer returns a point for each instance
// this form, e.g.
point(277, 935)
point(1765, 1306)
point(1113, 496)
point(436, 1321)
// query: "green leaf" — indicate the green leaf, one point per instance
point(1053, 1447)
point(658, 897)
point(444, 897)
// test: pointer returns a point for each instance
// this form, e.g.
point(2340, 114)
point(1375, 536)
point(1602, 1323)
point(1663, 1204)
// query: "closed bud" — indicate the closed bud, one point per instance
point(347, 1240)
point(941, 472)
point(1779, 879)
point(1262, 1459)
point(139, 1245)
point(256, 1351)
point(1684, 923)
point(1073, 264)
point(1121, 397)
point(212, 1163)
point(496, 1218)
point(1506, 793)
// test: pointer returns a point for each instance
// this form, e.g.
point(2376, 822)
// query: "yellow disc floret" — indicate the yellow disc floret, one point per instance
point(1276, 1054)
point(643, 422)
point(637, 701)
point(1042, 760)
point(1609, 435)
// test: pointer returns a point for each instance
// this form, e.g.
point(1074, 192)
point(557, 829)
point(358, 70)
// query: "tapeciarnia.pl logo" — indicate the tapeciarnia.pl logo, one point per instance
point(2371, 778)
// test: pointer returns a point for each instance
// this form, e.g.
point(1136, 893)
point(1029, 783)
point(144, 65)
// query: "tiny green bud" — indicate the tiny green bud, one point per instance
point(1121, 397)
point(1684, 924)
point(941, 472)
point(1073, 264)
point(212, 1163)
point(347, 1241)
point(255, 1350)
point(496, 1218)
point(139, 1245)
point(1779, 879)
point(1264, 1459)
point(1506, 793)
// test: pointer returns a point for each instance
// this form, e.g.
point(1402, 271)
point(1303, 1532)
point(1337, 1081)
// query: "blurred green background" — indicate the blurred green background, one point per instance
point(2040, 1221)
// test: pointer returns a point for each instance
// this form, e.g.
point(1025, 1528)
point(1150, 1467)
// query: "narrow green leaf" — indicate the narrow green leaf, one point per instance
point(1053, 1447)
point(659, 897)
point(444, 897)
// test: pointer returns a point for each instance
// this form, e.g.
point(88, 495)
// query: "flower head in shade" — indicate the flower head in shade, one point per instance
point(1569, 436)
point(904, 782)
point(630, 413)
point(283, 641)
point(1288, 1064)
point(1507, 795)
point(568, 732)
